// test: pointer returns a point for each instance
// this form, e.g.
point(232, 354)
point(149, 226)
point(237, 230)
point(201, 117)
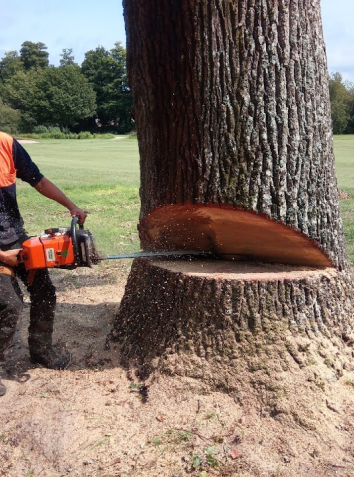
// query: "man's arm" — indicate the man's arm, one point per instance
point(50, 190)
point(28, 171)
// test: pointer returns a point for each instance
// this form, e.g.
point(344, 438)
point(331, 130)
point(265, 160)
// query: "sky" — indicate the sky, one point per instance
point(84, 25)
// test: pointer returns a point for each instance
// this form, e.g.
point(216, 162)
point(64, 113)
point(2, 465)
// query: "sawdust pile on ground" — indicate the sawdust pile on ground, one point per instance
point(97, 419)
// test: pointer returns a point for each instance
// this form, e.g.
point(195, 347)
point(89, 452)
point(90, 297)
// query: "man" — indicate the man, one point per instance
point(16, 163)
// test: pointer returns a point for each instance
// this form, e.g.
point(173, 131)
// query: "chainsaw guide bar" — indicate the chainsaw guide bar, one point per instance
point(158, 254)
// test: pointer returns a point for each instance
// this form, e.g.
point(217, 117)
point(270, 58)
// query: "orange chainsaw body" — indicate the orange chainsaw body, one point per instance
point(48, 251)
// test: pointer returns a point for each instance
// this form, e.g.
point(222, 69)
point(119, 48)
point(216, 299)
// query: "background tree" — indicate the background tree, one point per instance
point(51, 96)
point(9, 119)
point(350, 106)
point(62, 96)
point(10, 64)
point(341, 96)
point(106, 71)
point(18, 93)
point(67, 58)
point(33, 55)
point(232, 111)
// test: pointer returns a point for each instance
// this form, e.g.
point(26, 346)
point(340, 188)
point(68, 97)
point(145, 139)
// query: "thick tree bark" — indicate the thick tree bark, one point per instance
point(232, 107)
point(233, 118)
point(208, 319)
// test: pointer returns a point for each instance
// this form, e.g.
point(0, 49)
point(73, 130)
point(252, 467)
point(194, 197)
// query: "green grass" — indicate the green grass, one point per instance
point(344, 154)
point(99, 176)
point(103, 178)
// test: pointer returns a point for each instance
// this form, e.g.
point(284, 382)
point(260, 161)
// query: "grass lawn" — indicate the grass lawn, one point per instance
point(102, 176)
point(344, 153)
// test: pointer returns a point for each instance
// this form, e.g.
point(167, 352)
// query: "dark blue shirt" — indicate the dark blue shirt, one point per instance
point(15, 163)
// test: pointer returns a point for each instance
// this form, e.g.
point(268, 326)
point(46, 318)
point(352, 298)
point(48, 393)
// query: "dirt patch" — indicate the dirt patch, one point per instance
point(344, 195)
point(98, 419)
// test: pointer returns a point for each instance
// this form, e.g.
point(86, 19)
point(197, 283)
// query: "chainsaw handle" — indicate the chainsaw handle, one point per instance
point(74, 238)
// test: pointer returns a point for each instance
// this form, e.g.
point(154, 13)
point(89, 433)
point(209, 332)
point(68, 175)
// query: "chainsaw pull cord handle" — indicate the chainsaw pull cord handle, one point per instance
point(74, 238)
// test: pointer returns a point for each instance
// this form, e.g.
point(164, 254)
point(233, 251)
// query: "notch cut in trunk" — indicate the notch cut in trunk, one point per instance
point(233, 233)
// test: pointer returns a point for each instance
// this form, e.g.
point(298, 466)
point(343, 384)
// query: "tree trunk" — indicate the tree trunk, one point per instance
point(209, 319)
point(233, 117)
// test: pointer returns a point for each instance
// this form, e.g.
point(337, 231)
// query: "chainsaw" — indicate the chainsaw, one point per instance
point(72, 247)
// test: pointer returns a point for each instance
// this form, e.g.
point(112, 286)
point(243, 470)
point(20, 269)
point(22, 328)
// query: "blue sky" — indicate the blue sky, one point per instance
point(78, 24)
point(85, 24)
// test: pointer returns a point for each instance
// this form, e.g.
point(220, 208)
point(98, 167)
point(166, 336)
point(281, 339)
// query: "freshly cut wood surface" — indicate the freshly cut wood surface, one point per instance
point(239, 234)
point(243, 271)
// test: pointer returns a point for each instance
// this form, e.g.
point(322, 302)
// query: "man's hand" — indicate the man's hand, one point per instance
point(10, 257)
point(76, 212)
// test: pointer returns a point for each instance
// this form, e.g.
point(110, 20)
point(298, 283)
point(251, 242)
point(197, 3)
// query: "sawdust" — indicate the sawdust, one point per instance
point(98, 419)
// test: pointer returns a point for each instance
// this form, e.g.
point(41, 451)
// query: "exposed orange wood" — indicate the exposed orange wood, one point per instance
point(244, 271)
point(240, 234)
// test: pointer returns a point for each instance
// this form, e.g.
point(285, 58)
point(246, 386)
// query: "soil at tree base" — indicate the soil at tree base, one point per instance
point(100, 419)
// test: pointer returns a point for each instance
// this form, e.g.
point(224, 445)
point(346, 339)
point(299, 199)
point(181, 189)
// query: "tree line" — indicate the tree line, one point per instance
point(342, 104)
point(36, 96)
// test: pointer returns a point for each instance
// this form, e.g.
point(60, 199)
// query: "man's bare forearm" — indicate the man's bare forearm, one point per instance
point(50, 190)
